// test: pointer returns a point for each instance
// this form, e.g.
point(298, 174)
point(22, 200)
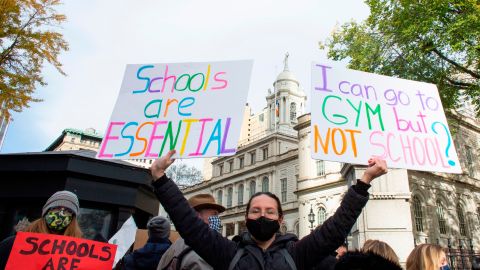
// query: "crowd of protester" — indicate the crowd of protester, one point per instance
point(262, 246)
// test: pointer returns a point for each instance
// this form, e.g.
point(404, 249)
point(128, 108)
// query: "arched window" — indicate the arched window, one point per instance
point(265, 184)
point(293, 111)
point(252, 188)
point(220, 197)
point(461, 221)
point(240, 194)
point(322, 215)
point(229, 197)
point(442, 223)
point(418, 213)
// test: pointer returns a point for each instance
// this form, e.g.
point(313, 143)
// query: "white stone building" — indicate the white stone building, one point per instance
point(405, 208)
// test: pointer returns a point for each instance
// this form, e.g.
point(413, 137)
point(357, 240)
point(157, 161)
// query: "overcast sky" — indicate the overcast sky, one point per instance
point(106, 35)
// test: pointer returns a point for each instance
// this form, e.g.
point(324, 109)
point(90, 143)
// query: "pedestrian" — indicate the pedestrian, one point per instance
point(180, 255)
point(59, 216)
point(262, 246)
point(427, 257)
point(147, 257)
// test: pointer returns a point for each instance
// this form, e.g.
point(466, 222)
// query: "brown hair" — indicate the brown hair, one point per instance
point(40, 226)
point(425, 257)
point(381, 249)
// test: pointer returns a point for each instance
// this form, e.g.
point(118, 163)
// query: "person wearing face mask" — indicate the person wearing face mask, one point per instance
point(180, 255)
point(262, 246)
point(59, 216)
point(427, 257)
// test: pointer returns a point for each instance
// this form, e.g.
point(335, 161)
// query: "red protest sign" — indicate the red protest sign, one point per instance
point(57, 252)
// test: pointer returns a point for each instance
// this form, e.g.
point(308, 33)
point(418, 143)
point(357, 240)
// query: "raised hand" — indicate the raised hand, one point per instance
point(160, 165)
point(376, 168)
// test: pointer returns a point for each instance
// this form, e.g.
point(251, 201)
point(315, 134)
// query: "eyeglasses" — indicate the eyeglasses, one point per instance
point(257, 212)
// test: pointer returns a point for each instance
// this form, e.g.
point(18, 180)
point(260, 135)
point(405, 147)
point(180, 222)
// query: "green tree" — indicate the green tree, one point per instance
point(435, 41)
point(28, 37)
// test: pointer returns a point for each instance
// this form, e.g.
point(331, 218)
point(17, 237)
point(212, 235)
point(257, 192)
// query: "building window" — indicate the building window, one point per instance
point(469, 160)
point(253, 158)
point(72, 139)
point(230, 229)
point(241, 162)
point(461, 221)
point(240, 194)
point(220, 197)
point(220, 169)
point(242, 227)
point(478, 214)
point(284, 189)
point(320, 168)
point(230, 165)
point(229, 197)
point(95, 222)
point(442, 223)
point(265, 153)
point(293, 112)
point(260, 117)
point(322, 215)
point(265, 184)
point(418, 213)
point(252, 188)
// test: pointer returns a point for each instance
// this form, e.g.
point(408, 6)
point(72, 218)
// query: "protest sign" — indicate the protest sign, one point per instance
point(356, 115)
point(195, 108)
point(56, 252)
point(124, 238)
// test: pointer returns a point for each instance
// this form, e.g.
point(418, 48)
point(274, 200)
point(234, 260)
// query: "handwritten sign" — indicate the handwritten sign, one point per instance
point(56, 252)
point(356, 115)
point(195, 108)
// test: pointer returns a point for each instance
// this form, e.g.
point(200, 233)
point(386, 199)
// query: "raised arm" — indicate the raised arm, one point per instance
point(209, 244)
point(324, 240)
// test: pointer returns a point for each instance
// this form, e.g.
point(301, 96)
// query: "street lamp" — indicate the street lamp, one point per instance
point(311, 218)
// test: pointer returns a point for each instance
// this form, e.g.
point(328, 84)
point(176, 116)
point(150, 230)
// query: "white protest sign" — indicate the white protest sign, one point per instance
point(124, 238)
point(357, 114)
point(195, 108)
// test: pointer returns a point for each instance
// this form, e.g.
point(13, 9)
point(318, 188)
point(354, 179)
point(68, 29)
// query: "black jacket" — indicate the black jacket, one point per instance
point(147, 257)
point(361, 261)
point(219, 251)
point(5, 249)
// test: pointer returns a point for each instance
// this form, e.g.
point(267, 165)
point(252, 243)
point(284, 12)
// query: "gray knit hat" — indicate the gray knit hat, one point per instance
point(62, 198)
point(158, 227)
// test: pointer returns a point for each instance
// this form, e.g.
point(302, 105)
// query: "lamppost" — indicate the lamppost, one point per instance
point(311, 218)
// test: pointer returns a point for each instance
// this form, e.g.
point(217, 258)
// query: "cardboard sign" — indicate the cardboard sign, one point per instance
point(124, 238)
point(56, 252)
point(195, 108)
point(356, 115)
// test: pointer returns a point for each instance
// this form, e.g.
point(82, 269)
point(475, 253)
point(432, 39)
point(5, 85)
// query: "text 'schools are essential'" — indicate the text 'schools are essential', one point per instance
point(194, 108)
point(356, 115)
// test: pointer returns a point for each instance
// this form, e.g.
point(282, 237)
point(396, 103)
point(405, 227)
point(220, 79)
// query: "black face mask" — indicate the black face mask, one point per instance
point(262, 228)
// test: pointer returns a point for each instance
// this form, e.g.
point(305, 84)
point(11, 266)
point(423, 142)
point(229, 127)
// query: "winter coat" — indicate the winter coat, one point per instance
point(218, 251)
point(147, 257)
point(5, 249)
point(365, 261)
point(190, 261)
point(327, 263)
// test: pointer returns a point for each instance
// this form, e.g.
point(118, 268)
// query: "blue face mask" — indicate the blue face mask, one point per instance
point(214, 223)
point(445, 267)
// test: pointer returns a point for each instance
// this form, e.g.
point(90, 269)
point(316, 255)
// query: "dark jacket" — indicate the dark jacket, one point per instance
point(219, 251)
point(147, 257)
point(327, 263)
point(5, 249)
point(361, 261)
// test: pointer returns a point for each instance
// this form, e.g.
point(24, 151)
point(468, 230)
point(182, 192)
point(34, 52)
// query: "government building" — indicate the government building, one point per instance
point(406, 207)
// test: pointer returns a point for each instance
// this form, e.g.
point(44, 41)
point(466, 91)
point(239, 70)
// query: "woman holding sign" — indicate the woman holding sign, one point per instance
point(59, 216)
point(262, 246)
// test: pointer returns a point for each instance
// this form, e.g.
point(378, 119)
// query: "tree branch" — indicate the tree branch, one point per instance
point(455, 64)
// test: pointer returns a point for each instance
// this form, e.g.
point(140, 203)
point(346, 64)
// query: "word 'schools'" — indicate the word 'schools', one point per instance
point(357, 114)
point(194, 108)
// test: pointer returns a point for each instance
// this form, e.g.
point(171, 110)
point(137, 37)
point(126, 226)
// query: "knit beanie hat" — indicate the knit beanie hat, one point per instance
point(62, 198)
point(158, 227)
